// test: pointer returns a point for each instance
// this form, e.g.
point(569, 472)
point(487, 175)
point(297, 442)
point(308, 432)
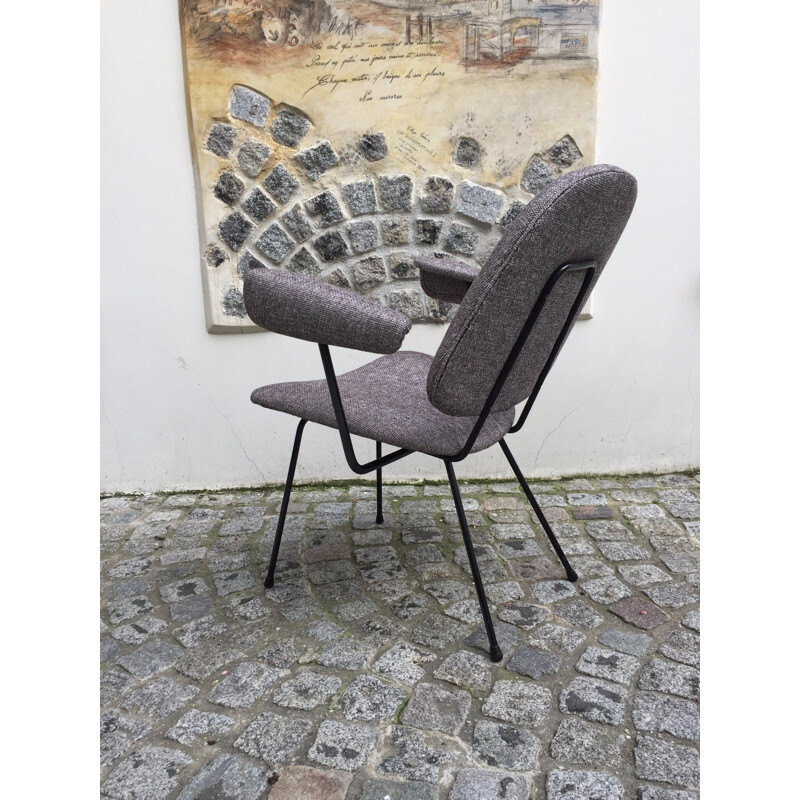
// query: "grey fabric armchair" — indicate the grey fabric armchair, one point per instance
point(514, 316)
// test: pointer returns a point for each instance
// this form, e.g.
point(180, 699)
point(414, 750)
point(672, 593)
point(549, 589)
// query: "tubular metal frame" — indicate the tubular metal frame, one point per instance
point(380, 461)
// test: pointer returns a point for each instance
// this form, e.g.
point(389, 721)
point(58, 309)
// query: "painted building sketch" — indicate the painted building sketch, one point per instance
point(340, 138)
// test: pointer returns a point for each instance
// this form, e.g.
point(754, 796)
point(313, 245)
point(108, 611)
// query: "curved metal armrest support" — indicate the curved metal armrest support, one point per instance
point(444, 278)
point(310, 309)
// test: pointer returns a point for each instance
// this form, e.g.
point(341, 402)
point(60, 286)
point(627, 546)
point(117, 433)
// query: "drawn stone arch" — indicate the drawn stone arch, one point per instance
point(525, 32)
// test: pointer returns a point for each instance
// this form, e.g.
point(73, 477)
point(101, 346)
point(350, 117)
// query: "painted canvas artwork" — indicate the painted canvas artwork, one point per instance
point(340, 138)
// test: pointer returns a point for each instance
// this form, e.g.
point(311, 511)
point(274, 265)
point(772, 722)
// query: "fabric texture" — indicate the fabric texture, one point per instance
point(386, 400)
point(445, 278)
point(307, 308)
point(578, 218)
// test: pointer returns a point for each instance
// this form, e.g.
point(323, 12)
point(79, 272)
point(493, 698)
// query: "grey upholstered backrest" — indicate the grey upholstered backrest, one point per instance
point(578, 218)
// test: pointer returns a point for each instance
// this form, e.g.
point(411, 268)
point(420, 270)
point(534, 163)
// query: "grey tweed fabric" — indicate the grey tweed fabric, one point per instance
point(444, 278)
point(386, 400)
point(307, 308)
point(578, 218)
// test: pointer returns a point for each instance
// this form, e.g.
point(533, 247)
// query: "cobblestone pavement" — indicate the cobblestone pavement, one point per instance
point(363, 673)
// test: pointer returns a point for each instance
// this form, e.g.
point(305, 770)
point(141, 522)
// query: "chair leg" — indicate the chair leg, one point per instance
point(495, 652)
point(571, 574)
point(276, 545)
point(379, 492)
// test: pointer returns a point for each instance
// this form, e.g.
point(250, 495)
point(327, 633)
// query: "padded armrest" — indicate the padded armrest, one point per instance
point(445, 279)
point(307, 308)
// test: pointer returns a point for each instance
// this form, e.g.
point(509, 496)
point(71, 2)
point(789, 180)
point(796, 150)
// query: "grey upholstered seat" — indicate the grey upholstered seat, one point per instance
point(386, 400)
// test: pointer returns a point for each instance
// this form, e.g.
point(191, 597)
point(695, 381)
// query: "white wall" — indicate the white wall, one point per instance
point(175, 399)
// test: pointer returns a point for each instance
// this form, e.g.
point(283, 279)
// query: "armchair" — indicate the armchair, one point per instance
point(514, 316)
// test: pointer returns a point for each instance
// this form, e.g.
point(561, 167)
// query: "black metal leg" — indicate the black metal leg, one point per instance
point(571, 574)
point(276, 545)
point(495, 652)
point(379, 493)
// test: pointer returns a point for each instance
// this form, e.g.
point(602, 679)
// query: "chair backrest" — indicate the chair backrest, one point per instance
point(578, 218)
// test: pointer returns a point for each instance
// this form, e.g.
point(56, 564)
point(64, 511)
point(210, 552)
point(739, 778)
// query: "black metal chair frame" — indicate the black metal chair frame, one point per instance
point(381, 461)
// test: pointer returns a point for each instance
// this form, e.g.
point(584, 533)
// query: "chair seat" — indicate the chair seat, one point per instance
point(386, 400)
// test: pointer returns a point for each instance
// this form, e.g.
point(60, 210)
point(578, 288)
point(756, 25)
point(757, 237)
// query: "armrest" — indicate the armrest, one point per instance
point(445, 279)
point(307, 308)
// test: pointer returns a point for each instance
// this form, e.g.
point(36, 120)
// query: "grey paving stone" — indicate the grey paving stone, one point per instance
point(182, 556)
point(152, 657)
point(281, 184)
point(150, 773)
point(242, 687)
point(227, 777)
point(518, 702)
point(590, 567)
point(158, 698)
point(234, 230)
point(380, 789)
point(534, 663)
point(437, 195)
point(608, 531)
point(300, 610)
point(306, 690)
point(523, 615)
point(347, 612)
point(658, 713)
point(249, 105)
point(416, 757)
point(506, 634)
point(273, 737)
point(671, 678)
point(435, 708)
point(658, 526)
point(380, 630)
point(643, 574)
point(274, 243)
point(503, 592)
point(519, 548)
point(682, 562)
point(112, 685)
point(120, 610)
point(511, 213)
point(346, 654)
point(117, 734)
point(578, 613)
point(427, 231)
point(205, 660)
point(552, 591)
point(674, 544)
point(309, 783)
point(448, 591)
point(248, 608)
point(466, 610)
point(647, 511)
point(401, 662)
point(289, 127)
point(183, 589)
point(139, 631)
point(682, 646)
point(659, 793)
point(606, 590)
point(371, 699)
point(437, 631)
point(583, 499)
point(477, 783)
point(195, 724)
point(658, 760)
point(536, 175)
point(581, 742)
point(556, 639)
point(131, 566)
point(505, 746)
point(464, 668)
point(634, 644)
point(109, 650)
point(252, 157)
point(594, 699)
point(220, 139)
point(259, 207)
point(199, 630)
point(317, 160)
point(373, 146)
point(672, 595)
point(479, 203)
point(624, 551)
point(607, 664)
point(575, 785)
point(692, 620)
point(395, 192)
point(281, 654)
point(342, 745)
